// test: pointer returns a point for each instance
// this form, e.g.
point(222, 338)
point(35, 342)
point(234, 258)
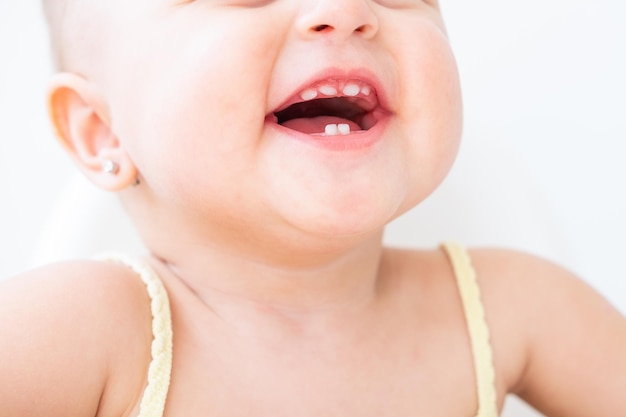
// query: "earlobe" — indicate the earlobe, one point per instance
point(81, 121)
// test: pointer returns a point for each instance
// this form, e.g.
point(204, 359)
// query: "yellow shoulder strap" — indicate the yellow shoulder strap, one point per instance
point(477, 328)
point(159, 372)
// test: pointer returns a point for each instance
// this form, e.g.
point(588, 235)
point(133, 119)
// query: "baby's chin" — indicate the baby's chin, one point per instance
point(344, 218)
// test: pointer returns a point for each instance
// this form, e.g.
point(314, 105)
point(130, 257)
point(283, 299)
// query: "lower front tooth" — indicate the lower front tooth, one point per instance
point(344, 128)
point(331, 129)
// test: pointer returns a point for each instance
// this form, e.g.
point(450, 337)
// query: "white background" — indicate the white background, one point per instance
point(546, 78)
point(544, 87)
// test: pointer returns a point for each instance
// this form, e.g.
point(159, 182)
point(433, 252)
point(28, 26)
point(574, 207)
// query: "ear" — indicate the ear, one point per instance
point(81, 120)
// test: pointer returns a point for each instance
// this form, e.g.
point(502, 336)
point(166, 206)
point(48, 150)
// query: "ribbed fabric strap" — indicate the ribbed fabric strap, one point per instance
point(155, 394)
point(477, 327)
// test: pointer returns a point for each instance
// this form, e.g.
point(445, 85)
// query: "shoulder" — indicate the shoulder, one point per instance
point(570, 340)
point(530, 283)
point(67, 331)
point(556, 342)
point(503, 291)
point(535, 289)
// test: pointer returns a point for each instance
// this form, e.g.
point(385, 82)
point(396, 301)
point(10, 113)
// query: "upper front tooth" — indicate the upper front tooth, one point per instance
point(328, 90)
point(366, 90)
point(351, 90)
point(309, 94)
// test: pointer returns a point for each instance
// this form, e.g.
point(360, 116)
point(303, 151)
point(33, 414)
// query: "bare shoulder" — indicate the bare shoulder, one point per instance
point(571, 341)
point(66, 331)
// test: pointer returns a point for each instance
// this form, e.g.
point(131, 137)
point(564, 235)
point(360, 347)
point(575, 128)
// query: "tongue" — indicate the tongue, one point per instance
point(318, 124)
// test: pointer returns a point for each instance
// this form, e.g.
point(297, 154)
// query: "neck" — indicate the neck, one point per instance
point(291, 283)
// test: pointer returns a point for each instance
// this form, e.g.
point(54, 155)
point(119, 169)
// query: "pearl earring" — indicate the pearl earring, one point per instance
point(110, 167)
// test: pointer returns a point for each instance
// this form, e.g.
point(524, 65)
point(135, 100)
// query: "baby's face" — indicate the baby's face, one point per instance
point(328, 116)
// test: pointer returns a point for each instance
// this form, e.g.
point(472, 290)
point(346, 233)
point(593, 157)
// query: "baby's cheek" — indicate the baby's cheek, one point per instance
point(431, 110)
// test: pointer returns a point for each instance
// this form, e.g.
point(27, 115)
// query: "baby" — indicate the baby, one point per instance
point(261, 147)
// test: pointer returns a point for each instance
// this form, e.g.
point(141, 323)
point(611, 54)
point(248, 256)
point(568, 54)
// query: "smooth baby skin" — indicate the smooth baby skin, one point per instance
point(268, 238)
point(400, 353)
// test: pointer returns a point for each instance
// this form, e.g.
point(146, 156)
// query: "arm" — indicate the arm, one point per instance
point(577, 356)
point(58, 337)
point(575, 342)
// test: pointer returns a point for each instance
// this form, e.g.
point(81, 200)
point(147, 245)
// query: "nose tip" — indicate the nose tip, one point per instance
point(338, 19)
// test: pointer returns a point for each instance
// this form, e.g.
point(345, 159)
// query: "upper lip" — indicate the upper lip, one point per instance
point(339, 78)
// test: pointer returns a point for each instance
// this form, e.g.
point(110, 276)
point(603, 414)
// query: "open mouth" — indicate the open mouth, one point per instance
point(331, 108)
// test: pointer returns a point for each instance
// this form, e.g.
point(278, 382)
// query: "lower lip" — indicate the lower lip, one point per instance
point(354, 141)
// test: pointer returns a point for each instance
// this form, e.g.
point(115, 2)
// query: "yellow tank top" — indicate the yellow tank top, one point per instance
point(154, 397)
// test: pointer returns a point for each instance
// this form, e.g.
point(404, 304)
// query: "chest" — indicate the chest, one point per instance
point(369, 380)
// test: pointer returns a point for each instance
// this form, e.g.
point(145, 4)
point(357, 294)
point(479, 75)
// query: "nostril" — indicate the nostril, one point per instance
point(321, 28)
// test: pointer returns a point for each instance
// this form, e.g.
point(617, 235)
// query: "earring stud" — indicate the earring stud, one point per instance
point(110, 167)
